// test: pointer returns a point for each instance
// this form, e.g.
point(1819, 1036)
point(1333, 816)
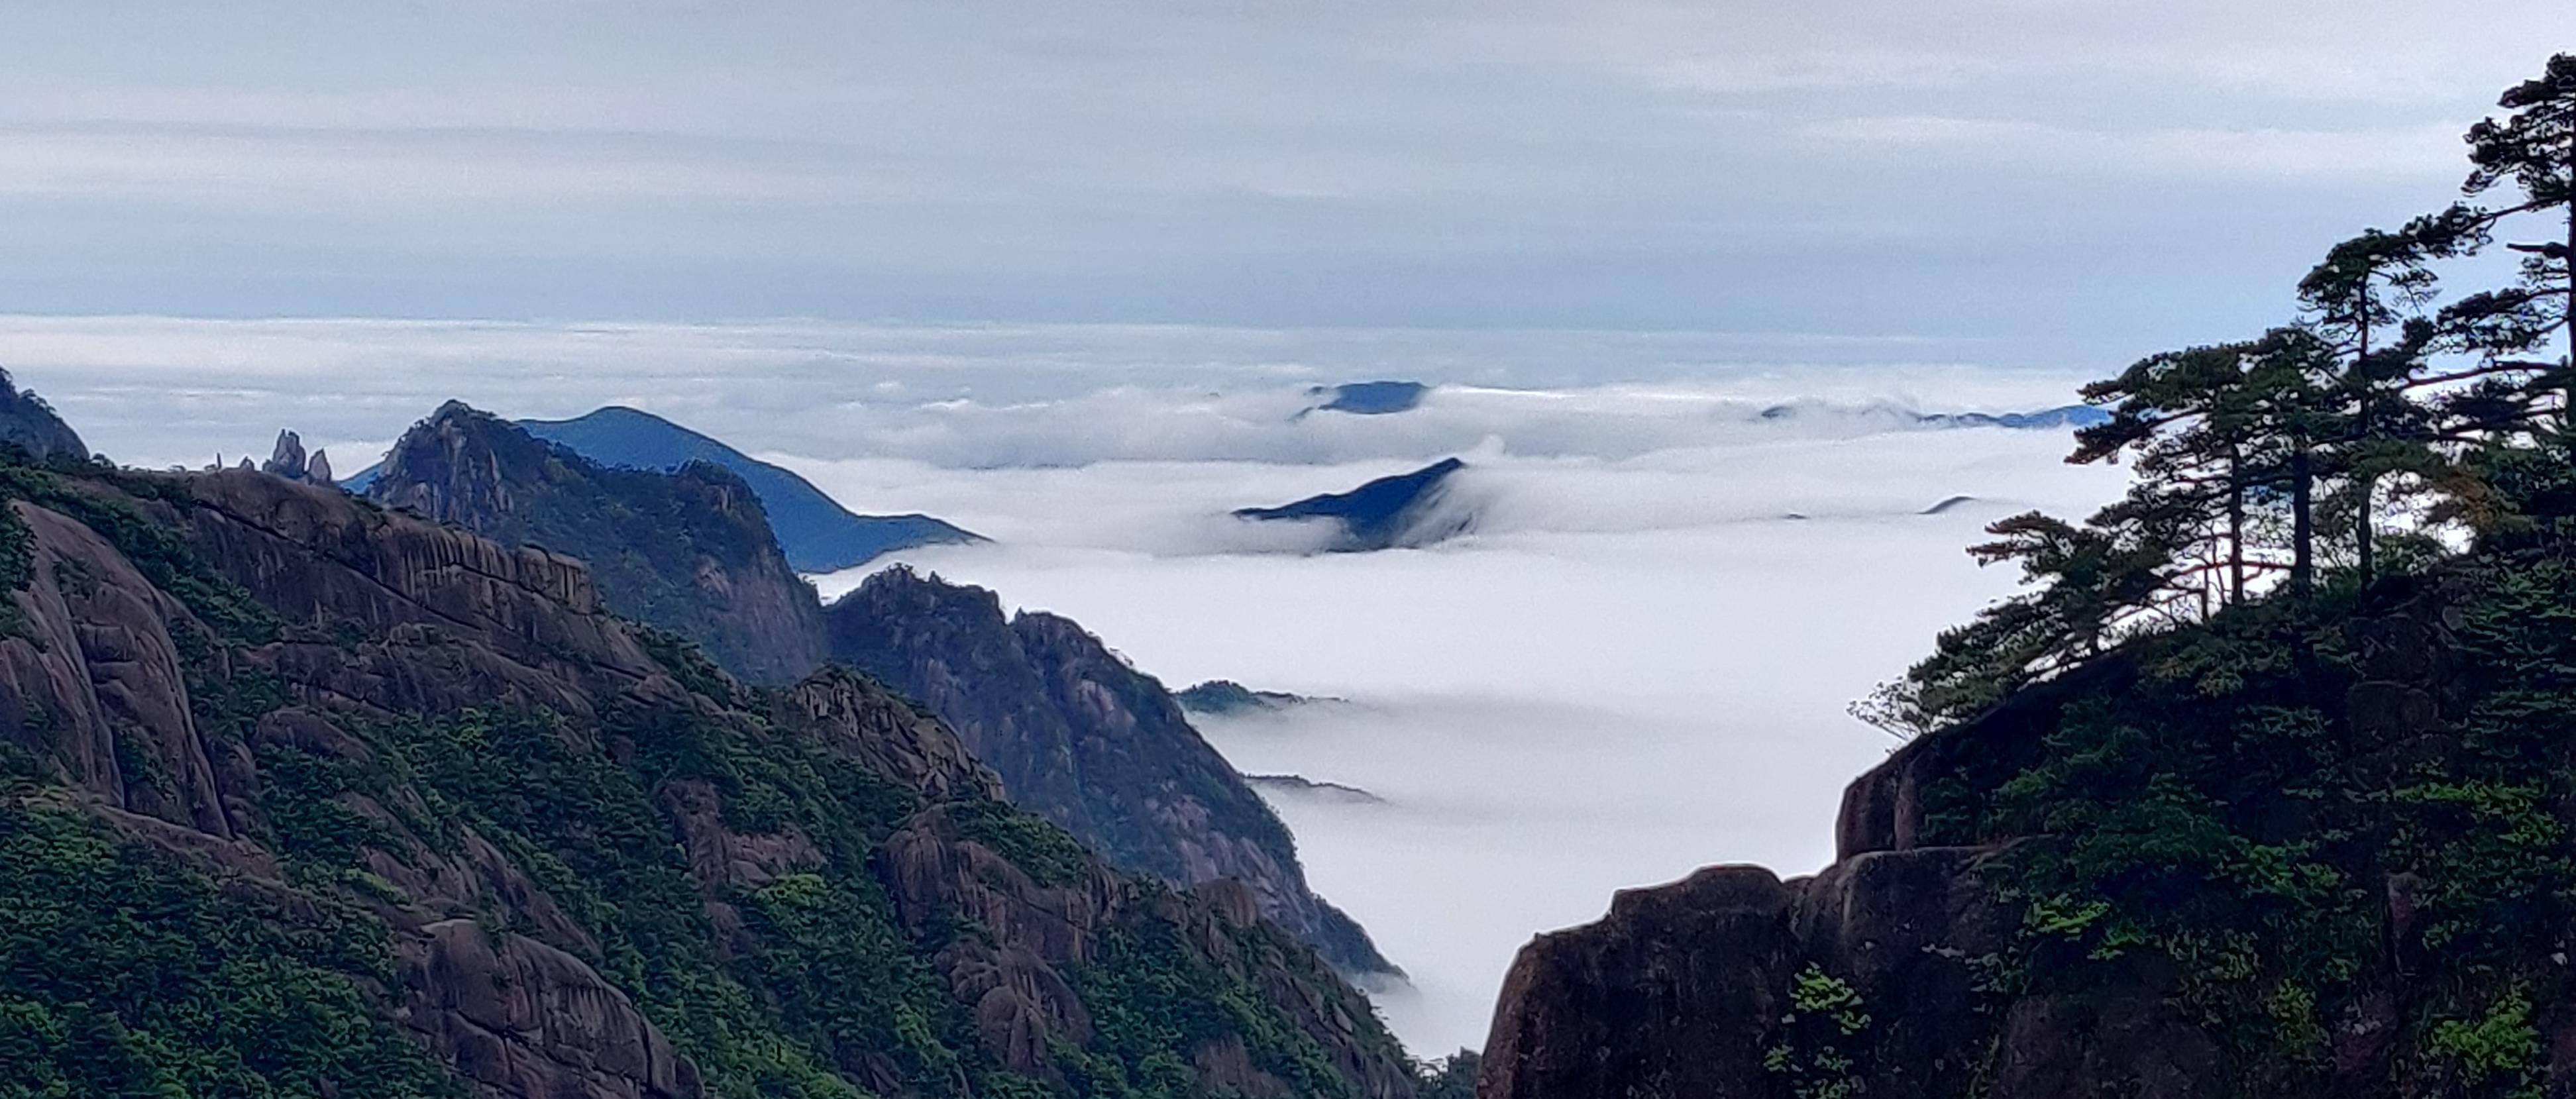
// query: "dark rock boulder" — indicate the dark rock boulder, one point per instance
point(2228, 860)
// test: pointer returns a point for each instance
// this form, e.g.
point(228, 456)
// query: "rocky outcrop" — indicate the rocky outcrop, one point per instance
point(689, 551)
point(286, 459)
point(28, 423)
point(520, 1018)
point(1086, 741)
point(595, 866)
point(1683, 990)
point(2201, 865)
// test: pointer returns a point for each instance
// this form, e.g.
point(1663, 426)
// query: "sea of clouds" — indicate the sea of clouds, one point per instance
point(1635, 664)
point(1634, 667)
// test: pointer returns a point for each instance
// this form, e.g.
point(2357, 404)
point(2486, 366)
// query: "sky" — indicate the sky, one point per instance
point(2068, 181)
point(1069, 274)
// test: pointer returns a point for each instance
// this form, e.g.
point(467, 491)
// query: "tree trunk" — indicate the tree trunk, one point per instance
point(2303, 525)
point(2235, 530)
point(2362, 486)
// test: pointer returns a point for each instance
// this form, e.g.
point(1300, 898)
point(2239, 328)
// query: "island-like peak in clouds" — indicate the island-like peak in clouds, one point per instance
point(818, 534)
point(689, 550)
point(1083, 739)
point(30, 424)
point(1368, 398)
point(1404, 510)
point(303, 796)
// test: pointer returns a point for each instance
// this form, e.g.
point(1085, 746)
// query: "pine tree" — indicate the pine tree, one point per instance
point(2532, 150)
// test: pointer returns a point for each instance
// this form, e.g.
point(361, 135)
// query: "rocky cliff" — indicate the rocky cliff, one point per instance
point(2299, 851)
point(303, 796)
point(1083, 739)
point(688, 550)
point(30, 424)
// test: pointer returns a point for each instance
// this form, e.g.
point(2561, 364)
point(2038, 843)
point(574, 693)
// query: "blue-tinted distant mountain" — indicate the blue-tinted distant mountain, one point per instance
point(817, 533)
point(1369, 398)
point(2062, 418)
point(1402, 510)
point(2065, 417)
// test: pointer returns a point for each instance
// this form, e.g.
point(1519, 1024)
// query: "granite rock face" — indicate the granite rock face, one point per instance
point(185, 653)
point(1955, 979)
point(1081, 738)
point(31, 425)
point(689, 551)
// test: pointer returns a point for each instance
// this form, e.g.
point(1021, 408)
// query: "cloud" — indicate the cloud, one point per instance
point(2417, 152)
point(1638, 667)
point(158, 390)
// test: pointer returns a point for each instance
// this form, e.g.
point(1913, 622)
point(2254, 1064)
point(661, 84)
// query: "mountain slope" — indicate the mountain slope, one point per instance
point(301, 796)
point(30, 424)
point(818, 534)
point(2320, 851)
point(1402, 510)
point(1087, 742)
point(688, 551)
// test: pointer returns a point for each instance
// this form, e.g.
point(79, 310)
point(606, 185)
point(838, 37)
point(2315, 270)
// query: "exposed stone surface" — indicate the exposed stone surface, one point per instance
point(688, 551)
point(30, 424)
point(1083, 739)
point(1685, 990)
point(286, 459)
point(379, 616)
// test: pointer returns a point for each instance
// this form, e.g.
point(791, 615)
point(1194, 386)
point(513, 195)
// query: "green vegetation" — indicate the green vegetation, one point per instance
point(2382, 430)
point(130, 969)
point(1823, 1025)
point(125, 973)
point(1153, 999)
point(2315, 776)
point(649, 536)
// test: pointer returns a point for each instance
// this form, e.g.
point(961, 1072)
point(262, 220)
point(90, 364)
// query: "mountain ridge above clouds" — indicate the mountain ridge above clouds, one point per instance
point(815, 531)
point(1404, 510)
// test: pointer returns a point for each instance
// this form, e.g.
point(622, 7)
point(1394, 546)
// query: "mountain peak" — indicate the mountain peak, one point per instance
point(688, 550)
point(815, 531)
point(30, 424)
point(1402, 510)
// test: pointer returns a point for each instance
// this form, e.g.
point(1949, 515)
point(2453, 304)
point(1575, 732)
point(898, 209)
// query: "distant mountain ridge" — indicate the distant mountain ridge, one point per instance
point(1384, 513)
point(689, 551)
point(816, 532)
point(1368, 398)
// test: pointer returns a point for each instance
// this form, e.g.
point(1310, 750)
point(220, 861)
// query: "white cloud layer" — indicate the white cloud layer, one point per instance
point(1635, 667)
point(157, 391)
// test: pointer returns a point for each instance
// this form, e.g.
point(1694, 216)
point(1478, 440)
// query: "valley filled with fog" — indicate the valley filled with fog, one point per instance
point(1630, 669)
point(1685, 553)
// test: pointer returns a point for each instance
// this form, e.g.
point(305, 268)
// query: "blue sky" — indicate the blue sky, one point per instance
point(2072, 181)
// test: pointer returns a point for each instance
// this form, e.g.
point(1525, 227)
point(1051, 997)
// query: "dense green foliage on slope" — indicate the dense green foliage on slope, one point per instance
point(2294, 818)
point(783, 882)
point(124, 972)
